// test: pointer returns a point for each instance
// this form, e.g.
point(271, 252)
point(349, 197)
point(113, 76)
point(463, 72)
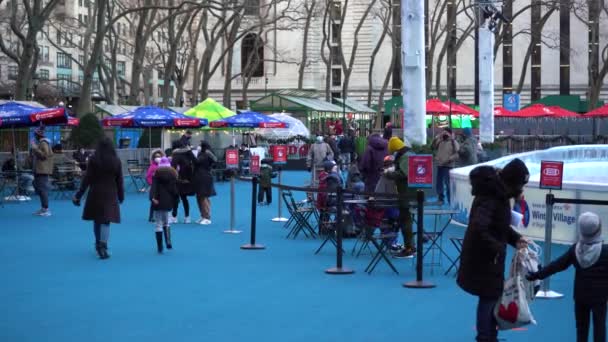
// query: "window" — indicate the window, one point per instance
point(58, 37)
point(64, 60)
point(80, 3)
point(86, 19)
point(44, 54)
point(160, 74)
point(13, 72)
point(336, 77)
point(336, 56)
point(43, 74)
point(81, 61)
point(252, 56)
point(80, 19)
point(335, 33)
point(336, 10)
point(64, 81)
point(252, 7)
point(120, 68)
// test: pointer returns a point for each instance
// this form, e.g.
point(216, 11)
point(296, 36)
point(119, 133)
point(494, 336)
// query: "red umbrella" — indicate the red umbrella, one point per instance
point(598, 112)
point(534, 111)
point(499, 112)
point(563, 113)
point(436, 106)
point(459, 108)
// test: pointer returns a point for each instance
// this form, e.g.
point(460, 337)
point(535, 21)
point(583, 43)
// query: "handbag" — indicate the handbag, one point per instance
point(513, 310)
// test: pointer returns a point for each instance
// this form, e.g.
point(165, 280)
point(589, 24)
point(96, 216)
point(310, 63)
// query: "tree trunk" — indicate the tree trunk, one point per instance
point(25, 74)
point(387, 78)
point(85, 104)
point(524, 69)
point(227, 96)
point(372, 62)
point(302, 69)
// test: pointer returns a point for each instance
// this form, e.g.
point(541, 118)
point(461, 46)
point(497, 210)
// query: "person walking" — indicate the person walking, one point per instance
point(203, 181)
point(163, 195)
point(104, 182)
point(182, 160)
point(346, 145)
point(388, 131)
point(482, 260)
point(446, 155)
point(372, 161)
point(468, 149)
point(42, 158)
point(589, 256)
point(265, 189)
point(318, 153)
point(154, 161)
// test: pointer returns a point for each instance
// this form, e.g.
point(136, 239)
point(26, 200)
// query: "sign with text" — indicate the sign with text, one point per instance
point(279, 154)
point(420, 171)
point(254, 168)
point(551, 174)
point(232, 159)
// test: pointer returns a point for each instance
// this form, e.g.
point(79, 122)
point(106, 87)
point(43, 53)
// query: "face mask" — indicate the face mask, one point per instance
point(157, 160)
point(391, 168)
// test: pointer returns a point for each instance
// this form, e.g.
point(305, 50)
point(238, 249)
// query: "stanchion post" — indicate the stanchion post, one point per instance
point(232, 209)
point(280, 217)
point(254, 193)
point(339, 234)
point(546, 293)
point(419, 283)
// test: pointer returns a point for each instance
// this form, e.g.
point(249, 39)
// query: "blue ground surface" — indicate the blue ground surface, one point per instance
point(53, 287)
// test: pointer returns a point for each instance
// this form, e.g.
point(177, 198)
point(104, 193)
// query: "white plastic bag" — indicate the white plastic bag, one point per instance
point(513, 310)
point(524, 262)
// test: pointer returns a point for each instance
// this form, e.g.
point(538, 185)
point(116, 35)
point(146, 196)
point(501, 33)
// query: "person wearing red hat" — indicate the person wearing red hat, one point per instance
point(42, 158)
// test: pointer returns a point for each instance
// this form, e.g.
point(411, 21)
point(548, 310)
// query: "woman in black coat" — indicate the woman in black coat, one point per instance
point(590, 259)
point(182, 159)
point(203, 181)
point(482, 260)
point(163, 195)
point(103, 179)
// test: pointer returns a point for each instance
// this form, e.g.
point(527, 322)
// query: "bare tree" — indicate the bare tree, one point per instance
point(590, 13)
point(310, 11)
point(27, 19)
point(384, 14)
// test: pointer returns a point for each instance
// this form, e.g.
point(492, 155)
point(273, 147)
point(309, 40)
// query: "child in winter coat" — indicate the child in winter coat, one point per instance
point(590, 259)
point(154, 160)
point(266, 175)
point(163, 196)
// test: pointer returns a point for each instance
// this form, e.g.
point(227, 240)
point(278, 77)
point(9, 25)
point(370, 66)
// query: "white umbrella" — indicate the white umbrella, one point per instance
point(295, 128)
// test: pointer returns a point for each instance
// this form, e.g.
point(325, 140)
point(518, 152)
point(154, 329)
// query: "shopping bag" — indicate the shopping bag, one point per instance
point(513, 310)
point(526, 261)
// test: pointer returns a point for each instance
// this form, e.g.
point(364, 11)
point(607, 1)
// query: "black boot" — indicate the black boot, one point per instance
point(103, 250)
point(98, 248)
point(167, 231)
point(159, 241)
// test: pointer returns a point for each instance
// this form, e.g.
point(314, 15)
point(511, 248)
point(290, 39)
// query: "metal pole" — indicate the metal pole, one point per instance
point(486, 84)
point(339, 230)
point(546, 293)
point(232, 209)
point(419, 283)
point(254, 193)
point(280, 218)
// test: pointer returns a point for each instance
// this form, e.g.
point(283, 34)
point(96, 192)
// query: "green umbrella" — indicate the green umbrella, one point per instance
point(210, 110)
point(458, 121)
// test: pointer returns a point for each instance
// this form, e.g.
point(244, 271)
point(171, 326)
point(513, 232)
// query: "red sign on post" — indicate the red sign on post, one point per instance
point(551, 174)
point(232, 159)
point(279, 154)
point(420, 171)
point(254, 168)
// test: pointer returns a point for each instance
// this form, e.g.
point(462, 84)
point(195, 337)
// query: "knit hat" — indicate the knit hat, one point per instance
point(164, 162)
point(395, 144)
point(319, 139)
point(515, 173)
point(328, 165)
point(467, 132)
point(589, 246)
point(39, 131)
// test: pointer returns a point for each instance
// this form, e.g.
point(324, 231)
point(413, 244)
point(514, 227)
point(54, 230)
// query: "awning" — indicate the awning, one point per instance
point(353, 105)
point(293, 101)
point(113, 109)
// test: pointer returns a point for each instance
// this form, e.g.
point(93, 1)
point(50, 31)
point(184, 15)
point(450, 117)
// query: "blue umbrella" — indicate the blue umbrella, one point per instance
point(153, 117)
point(14, 114)
point(249, 120)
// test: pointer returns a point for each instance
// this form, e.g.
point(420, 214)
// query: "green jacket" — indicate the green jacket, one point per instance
point(406, 194)
point(42, 157)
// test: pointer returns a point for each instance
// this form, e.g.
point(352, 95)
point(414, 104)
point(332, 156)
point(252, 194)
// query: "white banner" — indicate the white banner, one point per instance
point(534, 210)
